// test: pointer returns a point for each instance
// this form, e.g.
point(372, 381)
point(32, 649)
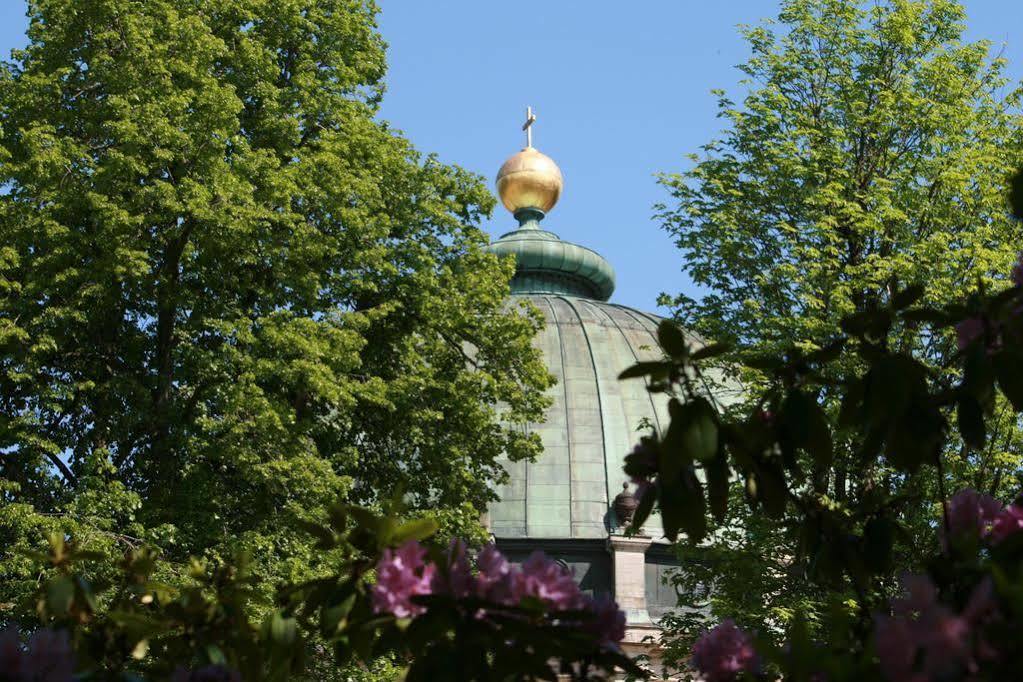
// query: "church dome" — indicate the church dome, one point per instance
point(569, 491)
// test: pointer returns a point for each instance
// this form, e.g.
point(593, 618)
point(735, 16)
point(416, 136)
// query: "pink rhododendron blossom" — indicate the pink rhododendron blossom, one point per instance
point(970, 515)
point(724, 652)
point(549, 582)
point(609, 620)
point(495, 581)
point(455, 578)
point(402, 574)
point(1008, 522)
point(896, 647)
point(46, 658)
point(968, 331)
point(925, 640)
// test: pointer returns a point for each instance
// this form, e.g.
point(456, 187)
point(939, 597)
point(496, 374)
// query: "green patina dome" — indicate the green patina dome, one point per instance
point(546, 264)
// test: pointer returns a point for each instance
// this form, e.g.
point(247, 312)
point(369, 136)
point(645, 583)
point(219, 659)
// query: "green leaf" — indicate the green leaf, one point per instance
point(907, 296)
point(805, 424)
point(60, 594)
point(283, 631)
point(711, 350)
point(718, 473)
point(672, 340)
point(1008, 365)
point(643, 509)
point(683, 508)
point(1016, 195)
point(971, 422)
point(878, 542)
point(656, 370)
point(418, 529)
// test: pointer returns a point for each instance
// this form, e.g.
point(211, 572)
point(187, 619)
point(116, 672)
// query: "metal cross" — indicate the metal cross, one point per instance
point(528, 126)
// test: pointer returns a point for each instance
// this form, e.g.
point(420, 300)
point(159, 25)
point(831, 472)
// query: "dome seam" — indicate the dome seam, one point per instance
point(600, 410)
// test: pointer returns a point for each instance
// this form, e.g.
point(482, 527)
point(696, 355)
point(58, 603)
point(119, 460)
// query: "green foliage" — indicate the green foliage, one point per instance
point(134, 627)
point(862, 177)
point(842, 555)
point(229, 295)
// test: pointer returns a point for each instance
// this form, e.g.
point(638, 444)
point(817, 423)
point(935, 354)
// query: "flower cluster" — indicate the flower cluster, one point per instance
point(46, 658)
point(974, 516)
point(402, 574)
point(721, 654)
point(405, 573)
point(925, 640)
point(922, 639)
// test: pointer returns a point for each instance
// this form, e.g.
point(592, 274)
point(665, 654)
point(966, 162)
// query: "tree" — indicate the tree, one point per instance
point(230, 294)
point(871, 151)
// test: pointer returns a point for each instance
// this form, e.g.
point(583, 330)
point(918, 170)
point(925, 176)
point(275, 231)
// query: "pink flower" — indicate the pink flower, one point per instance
point(724, 652)
point(896, 648)
point(1008, 522)
point(968, 331)
point(495, 581)
point(456, 578)
point(609, 622)
point(549, 582)
point(47, 658)
point(401, 575)
point(970, 515)
point(925, 640)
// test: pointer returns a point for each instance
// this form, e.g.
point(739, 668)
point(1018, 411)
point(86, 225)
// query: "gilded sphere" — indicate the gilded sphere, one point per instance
point(529, 179)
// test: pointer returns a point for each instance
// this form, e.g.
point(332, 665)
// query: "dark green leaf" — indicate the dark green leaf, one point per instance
point(712, 350)
point(646, 505)
point(60, 594)
point(418, 529)
point(718, 473)
point(1009, 370)
point(971, 422)
point(651, 369)
point(878, 541)
point(672, 340)
point(907, 296)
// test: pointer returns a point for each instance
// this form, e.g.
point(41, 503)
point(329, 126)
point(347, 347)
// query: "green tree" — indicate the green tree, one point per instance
point(229, 294)
point(871, 151)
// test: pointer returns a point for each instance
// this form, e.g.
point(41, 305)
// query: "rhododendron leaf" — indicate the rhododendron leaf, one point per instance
point(1009, 369)
point(907, 296)
point(878, 541)
point(806, 426)
point(827, 353)
point(418, 529)
point(655, 370)
point(1016, 195)
point(645, 506)
point(935, 318)
point(60, 594)
point(718, 473)
point(711, 350)
point(693, 434)
point(672, 340)
point(971, 422)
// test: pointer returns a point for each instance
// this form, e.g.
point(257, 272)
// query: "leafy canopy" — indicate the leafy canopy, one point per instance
point(869, 155)
point(229, 294)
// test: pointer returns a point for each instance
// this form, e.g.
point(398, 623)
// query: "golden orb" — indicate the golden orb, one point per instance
point(529, 179)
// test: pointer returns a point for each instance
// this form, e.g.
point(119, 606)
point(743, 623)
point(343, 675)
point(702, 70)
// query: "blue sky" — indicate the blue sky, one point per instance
point(621, 91)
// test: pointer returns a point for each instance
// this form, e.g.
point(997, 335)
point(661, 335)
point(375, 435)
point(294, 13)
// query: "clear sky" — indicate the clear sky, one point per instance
point(621, 91)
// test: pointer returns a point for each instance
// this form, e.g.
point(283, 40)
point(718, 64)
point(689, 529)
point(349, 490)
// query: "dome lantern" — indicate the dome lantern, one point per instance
point(529, 184)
